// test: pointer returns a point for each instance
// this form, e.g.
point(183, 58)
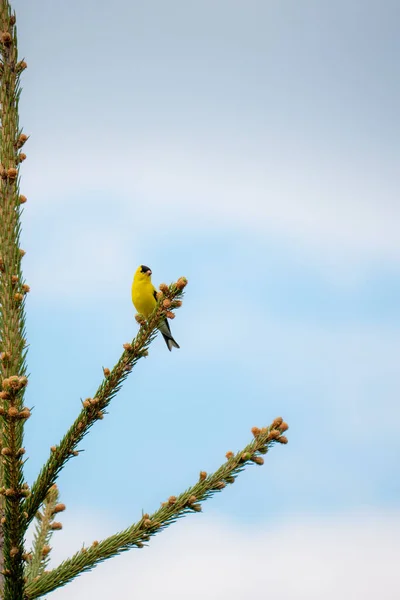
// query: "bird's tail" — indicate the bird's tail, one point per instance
point(171, 343)
point(166, 333)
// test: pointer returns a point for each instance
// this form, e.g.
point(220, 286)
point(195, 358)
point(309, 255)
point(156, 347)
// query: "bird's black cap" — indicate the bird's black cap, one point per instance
point(144, 268)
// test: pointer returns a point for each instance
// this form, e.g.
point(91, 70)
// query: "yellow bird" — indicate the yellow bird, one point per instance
point(144, 298)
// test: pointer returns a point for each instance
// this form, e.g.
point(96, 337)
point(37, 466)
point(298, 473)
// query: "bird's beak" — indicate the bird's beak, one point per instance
point(149, 272)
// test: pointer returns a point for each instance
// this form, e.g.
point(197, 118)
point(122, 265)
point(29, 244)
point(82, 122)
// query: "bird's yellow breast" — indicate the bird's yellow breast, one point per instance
point(143, 296)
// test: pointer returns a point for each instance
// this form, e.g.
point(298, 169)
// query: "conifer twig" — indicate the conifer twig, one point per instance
point(39, 557)
point(171, 510)
point(12, 309)
point(93, 409)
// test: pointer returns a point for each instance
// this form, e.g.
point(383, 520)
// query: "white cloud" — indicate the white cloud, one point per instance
point(343, 556)
point(340, 212)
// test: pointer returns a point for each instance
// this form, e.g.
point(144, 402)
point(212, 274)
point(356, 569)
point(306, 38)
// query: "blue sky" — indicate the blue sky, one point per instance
point(252, 147)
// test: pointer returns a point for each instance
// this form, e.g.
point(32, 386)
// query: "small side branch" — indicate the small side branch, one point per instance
point(38, 559)
point(94, 408)
point(174, 508)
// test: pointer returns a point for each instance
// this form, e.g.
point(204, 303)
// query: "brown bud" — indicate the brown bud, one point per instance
point(6, 451)
point(12, 20)
point(53, 448)
point(282, 439)
point(196, 507)
point(14, 551)
point(258, 460)
point(255, 431)
point(26, 288)
point(9, 382)
point(12, 173)
point(21, 140)
point(75, 453)
point(21, 66)
point(106, 372)
point(139, 544)
point(192, 499)
point(276, 423)
point(284, 427)
point(219, 485)
point(163, 288)
point(172, 500)
point(46, 550)
point(274, 434)
point(229, 454)
point(25, 413)
point(4, 395)
point(6, 38)
point(140, 319)
point(169, 315)
point(181, 283)
point(20, 452)
point(27, 556)
point(12, 412)
point(22, 252)
point(147, 523)
point(203, 475)
point(95, 543)
point(21, 157)
point(166, 303)
point(22, 199)
point(127, 347)
point(18, 297)
point(56, 525)
point(100, 415)
point(59, 508)
point(4, 356)
point(2, 520)
point(177, 303)
point(230, 479)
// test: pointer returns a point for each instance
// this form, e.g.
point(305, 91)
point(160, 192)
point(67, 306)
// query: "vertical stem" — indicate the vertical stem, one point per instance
point(12, 313)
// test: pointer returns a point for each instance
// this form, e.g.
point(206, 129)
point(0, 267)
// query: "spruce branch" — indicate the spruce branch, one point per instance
point(174, 508)
point(13, 290)
point(93, 409)
point(38, 559)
